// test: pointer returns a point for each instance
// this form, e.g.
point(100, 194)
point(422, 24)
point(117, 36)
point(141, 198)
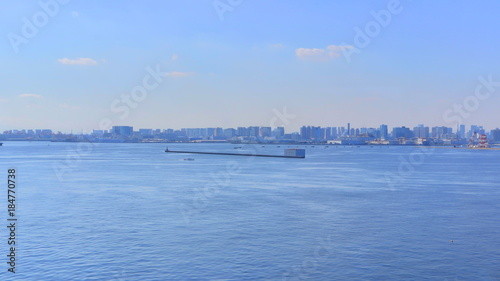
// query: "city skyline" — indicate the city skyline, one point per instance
point(476, 136)
point(74, 65)
point(384, 130)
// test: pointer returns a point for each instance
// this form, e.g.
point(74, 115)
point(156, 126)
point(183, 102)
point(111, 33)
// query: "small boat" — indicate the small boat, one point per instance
point(188, 159)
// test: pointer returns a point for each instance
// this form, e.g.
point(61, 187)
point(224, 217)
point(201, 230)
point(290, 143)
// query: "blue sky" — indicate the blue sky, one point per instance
point(232, 63)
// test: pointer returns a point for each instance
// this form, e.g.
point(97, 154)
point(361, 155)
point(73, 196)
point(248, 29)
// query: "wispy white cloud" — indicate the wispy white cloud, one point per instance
point(30, 96)
point(311, 54)
point(335, 51)
point(330, 52)
point(174, 57)
point(75, 14)
point(276, 46)
point(79, 61)
point(177, 74)
point(4, 100)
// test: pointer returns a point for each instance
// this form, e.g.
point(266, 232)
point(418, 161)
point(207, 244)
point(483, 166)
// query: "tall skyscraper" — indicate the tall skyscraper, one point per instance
point(495, 135)
point(461, 131)
point(421, 131)
point(317, 133)
point(383, 132)
point(334, 134)
point(306, 132)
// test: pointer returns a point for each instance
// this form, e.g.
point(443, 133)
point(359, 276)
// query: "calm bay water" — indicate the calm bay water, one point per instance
point(133, 212)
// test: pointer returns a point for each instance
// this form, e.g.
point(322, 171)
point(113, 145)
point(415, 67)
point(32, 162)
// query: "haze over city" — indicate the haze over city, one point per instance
point(69, 65)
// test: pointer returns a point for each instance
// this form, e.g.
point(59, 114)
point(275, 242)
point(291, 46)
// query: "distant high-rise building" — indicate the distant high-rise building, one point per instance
point(384, 132)
point(305, 132)
point(181, 133)
point(421, 132)
point(334, 133)
point(317, 133)
point(193, 132)
point(366, 131)
point(229, 132)
point(328, 133)
point(242, 132)
point(461, 131)
point(122, 130)
point(495, 135)
point(219, 132)
point(265, 131)
point(348, 128)
point(439, 132)
point(146, 132)
point(46, 132)
point(476, 129)
point(97, 132)
point(341, 131)
point(401, 132)
point(253, 131)
point(203, 133)
point(279, 132)
point(373, 132)
point(210, 132)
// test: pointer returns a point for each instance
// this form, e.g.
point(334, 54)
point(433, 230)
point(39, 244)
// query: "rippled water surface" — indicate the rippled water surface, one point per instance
point(134, 212)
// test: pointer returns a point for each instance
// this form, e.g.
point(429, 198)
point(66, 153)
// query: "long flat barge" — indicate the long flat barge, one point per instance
point(236, 154)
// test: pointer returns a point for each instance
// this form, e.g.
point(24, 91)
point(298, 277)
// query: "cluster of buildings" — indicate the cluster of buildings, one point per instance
point(420, 135)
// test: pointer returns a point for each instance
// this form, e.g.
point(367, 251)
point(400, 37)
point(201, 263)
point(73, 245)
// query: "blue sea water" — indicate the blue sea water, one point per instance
point(133, 212)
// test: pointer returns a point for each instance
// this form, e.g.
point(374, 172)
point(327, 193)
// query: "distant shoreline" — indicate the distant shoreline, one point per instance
point(493, 146)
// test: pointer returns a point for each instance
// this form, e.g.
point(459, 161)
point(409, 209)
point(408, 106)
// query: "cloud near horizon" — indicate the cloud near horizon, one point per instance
point(314, 54)
point(79, 61)
point(177, 74)
point(30, 96)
